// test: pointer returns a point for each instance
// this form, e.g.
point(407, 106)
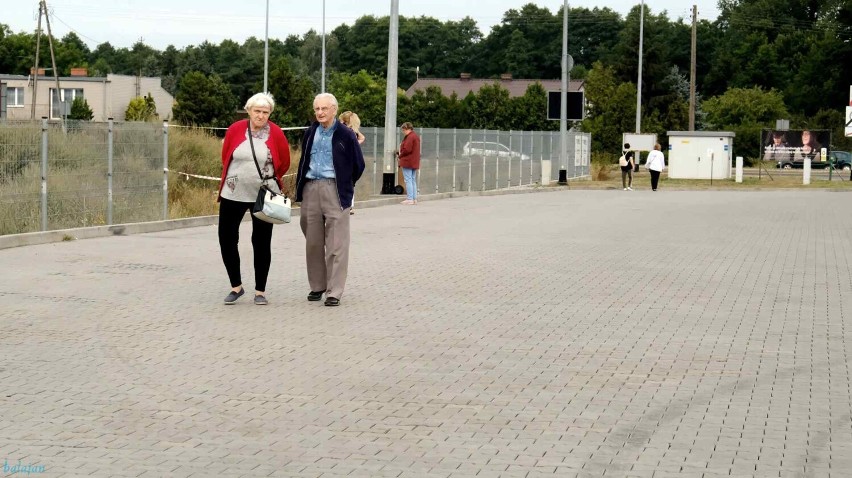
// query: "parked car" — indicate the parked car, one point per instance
point(842, 160)
point(490, 149)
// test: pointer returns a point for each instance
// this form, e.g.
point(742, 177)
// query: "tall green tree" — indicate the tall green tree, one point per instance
point(293, 95)
point(361, 93)
point(529, 112)
point(204, 101)
point(745, 111)
point(535, 25)
point(17, 51)
point(490, 108)
point(71, 52)
point(611, 108)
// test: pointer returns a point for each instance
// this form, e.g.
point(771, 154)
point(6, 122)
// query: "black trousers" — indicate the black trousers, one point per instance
point(230, 216)
point(655, 179)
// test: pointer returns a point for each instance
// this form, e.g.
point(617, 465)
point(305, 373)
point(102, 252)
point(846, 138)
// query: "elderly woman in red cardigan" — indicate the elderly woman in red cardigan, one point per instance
point(240, 185)
point(409, 161)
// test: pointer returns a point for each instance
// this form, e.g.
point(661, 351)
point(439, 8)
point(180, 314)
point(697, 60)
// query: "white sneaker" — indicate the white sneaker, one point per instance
point(625, 189)
point(630, 189)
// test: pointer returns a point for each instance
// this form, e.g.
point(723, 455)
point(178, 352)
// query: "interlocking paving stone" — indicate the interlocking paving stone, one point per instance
point(570, 333)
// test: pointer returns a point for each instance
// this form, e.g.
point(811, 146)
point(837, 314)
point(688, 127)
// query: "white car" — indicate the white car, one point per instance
point(490, 149)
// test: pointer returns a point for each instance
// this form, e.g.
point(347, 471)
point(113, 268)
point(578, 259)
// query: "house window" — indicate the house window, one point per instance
point(60, 109)
point(14, 96)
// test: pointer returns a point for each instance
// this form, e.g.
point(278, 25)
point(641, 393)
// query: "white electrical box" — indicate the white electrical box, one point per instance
point(700, 154)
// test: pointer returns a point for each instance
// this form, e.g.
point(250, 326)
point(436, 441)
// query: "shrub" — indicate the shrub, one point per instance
point(80, 110)
point(141, 109)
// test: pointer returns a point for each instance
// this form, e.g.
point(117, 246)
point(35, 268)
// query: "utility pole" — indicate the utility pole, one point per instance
point(42, 10)
point(322, 87)
point(692, 70)
point(266, 53)
point(563, 100)
point(639, 81)
point(388, 172)
point(35, 68)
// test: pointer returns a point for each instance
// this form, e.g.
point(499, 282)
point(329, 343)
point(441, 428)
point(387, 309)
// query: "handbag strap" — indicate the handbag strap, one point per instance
point(253, 155)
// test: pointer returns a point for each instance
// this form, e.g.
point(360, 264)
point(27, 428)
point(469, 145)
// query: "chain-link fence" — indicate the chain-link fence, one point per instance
point(480, 160)
point(78, 174)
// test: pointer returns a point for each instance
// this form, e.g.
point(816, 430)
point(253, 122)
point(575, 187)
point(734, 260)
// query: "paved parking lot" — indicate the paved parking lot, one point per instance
point(568, 333)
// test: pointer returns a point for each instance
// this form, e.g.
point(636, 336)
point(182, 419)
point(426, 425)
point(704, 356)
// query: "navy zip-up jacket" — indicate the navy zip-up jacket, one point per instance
point(347, 158)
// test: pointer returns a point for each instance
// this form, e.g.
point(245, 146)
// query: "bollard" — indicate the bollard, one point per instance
point(806, 175)
point(739, 169)
point(545, 172)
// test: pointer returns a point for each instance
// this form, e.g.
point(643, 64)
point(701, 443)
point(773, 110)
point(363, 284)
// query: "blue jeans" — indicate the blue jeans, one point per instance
point(410, 177)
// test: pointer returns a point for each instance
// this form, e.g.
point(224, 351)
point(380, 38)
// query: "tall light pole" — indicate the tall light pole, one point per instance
point(266, 53)
point(388, 173)
point(563, 99)
point(322, 86)
point(639, 81)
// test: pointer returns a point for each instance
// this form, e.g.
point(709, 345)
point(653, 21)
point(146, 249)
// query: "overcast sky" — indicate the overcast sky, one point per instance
point(160, 23)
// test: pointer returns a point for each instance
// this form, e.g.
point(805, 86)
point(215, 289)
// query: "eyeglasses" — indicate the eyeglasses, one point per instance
point(322, 109)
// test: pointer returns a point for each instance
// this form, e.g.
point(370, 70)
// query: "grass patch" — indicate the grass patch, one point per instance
point(786, 180)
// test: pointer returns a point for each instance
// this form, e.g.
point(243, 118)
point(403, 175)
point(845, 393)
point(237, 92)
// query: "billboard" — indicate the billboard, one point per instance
point(794, 145)
point(576, 105)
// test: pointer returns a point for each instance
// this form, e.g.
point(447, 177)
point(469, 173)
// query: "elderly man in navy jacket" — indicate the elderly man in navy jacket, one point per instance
point(330, 166)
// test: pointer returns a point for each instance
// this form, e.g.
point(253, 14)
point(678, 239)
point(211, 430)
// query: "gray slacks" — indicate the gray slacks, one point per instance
point(326, 229)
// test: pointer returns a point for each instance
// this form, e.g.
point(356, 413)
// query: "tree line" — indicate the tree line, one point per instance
point(759, 61)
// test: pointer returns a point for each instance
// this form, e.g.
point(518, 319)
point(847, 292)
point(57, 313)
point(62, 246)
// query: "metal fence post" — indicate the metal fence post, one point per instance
point(454, 159)
point(470, 162)
point(497, 164)
point(532, 159)
point(109, 171)
point(437, 157)
point(375, 155)
point(44, 173)
point(509, 180)
point(483, 159)
point(165, 170)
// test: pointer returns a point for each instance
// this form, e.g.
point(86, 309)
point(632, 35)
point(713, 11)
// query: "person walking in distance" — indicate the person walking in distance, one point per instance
point(249, 145)
point(331, 164)
point(627, 168)
point(409, 161)
point(656, 164)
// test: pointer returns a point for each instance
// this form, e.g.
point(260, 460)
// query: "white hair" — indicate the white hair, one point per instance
point(261, 99)
point(326, 96)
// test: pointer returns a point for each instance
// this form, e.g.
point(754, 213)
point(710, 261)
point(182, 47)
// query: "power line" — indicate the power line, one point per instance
point(53, 14)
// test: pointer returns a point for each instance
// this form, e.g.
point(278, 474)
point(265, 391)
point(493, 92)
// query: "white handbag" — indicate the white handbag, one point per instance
point(270, 207)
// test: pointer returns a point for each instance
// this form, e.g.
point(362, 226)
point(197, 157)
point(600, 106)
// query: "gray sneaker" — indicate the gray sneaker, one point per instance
point(233, 296)
point(260, 300)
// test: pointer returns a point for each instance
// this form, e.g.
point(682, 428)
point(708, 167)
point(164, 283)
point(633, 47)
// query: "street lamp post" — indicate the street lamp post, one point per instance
point(322, 86)
point(388, 172)
point(266, 53)
point(639, 80)
point(563, 100)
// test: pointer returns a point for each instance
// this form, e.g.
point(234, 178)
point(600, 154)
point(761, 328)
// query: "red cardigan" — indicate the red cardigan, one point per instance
point(277, 144)
point(409, 151)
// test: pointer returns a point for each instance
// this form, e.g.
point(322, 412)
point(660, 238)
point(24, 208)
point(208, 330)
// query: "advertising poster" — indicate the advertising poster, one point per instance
point(792, 146)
